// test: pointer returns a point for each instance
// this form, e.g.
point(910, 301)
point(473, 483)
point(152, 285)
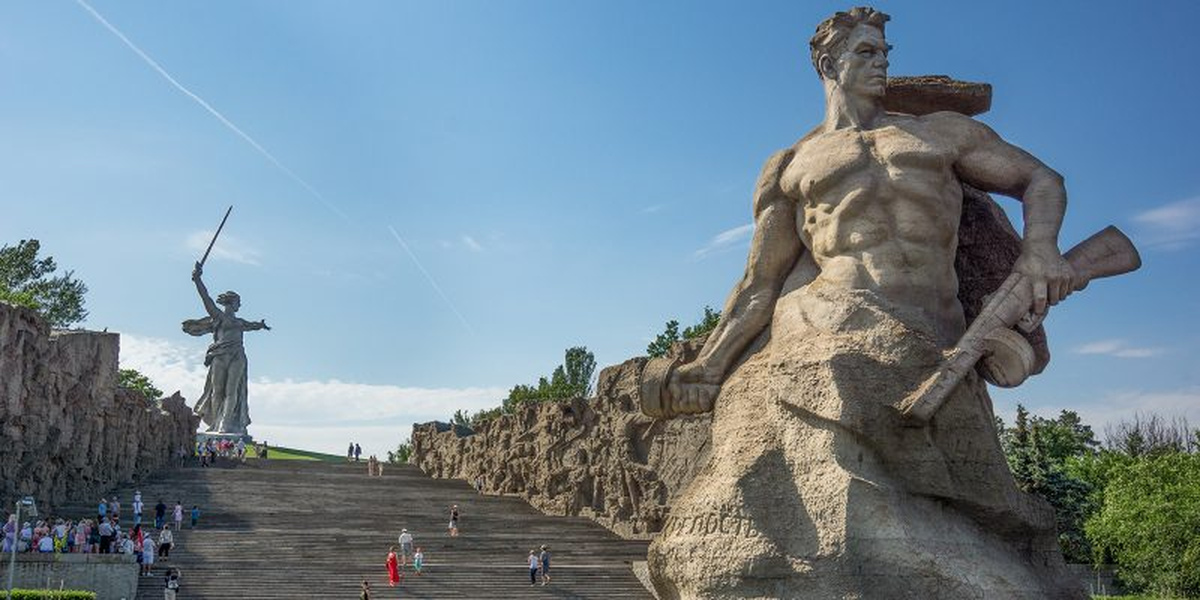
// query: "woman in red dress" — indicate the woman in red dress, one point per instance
point(393, 567)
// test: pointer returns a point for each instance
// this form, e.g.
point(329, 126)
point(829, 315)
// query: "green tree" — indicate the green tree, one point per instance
point(28, 281)
point(402, 453)
point(1149, 522)
point(134, 380)
point(571, 379)
point(519, 395)
point(485, 415)
point(1018, 449)
point(1038, 452)
point(460, 418)
point(579, 365)
point(1097, 469)
point(1065, 437)
point(662, 342)
point(707, 323)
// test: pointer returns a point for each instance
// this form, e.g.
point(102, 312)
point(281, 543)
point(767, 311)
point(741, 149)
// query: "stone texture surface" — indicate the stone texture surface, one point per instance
point(924, 94)
point(599, 458)
point(988, 245)
point(821, 488)
point(67, 430)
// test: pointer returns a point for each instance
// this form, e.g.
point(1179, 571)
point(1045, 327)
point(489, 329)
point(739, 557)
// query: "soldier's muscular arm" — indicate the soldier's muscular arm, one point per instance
point(774, 250)
point(989, 163)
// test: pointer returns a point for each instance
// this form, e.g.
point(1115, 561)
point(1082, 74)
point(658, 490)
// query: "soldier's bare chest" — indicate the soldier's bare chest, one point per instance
point(830, 163)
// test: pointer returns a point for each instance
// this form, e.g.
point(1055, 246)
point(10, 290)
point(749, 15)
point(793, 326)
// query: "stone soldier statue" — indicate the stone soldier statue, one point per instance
point(223, 405)
point(826, 479)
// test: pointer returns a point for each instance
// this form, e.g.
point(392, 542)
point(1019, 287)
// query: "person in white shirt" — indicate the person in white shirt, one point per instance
point(533, 567)
point(138, 507)
point(166, 542)
point(148, 552)
point(406, 545)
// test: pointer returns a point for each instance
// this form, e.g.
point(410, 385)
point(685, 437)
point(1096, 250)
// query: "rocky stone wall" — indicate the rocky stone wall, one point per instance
point(599, 458)
point(67, 432)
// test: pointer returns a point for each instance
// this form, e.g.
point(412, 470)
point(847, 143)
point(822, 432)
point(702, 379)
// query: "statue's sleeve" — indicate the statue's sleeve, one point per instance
point(988, 246)
point(201, 326)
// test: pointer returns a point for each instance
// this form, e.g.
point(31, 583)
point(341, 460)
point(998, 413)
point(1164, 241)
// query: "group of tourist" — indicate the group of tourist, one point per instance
point(398, 558)
point(539, 563)
point(353, 452)
point(104, 534)
point(396, 562)
point(374, 467)
point(210, 449)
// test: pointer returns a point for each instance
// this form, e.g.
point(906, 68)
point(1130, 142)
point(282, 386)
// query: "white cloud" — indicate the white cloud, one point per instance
point(653, 208)
point(1101, 347)
point(725, 240)
point(1114, 407)
point(1171, 226)
point(470, 242)
point(1117, 348)
point(314, 415)
point(1124, 405)
point(228, 248)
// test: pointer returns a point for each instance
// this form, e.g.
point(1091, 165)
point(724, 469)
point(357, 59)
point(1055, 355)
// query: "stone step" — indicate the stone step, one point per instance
point(299, 529)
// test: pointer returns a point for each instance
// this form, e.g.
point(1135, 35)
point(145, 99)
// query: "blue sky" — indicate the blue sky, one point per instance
point(566, 173)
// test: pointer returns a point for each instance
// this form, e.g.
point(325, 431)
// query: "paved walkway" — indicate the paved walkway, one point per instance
point(297, 529)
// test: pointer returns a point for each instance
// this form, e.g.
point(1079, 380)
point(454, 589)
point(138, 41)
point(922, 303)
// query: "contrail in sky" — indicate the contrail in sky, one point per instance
point(263, 151)
point(212, 111)
point(436, 287)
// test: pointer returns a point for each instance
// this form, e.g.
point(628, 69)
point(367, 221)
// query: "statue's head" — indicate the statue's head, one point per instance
point(849, 49)
point(230, 300)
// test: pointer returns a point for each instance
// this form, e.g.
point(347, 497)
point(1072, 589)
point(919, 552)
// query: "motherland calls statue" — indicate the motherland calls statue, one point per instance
point(223, 405)
point(854, 451)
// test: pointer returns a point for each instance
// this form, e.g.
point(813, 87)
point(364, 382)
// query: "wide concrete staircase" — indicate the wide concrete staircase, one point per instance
point(298, 529)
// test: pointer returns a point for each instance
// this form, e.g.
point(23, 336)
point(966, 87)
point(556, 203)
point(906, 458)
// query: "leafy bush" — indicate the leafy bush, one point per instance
point(53, 595)
point(484, 415)
point(707, 323)
point(401, 455)
point(663, 341)
point(1148, 524)
point(572, 379)
point(134, 380)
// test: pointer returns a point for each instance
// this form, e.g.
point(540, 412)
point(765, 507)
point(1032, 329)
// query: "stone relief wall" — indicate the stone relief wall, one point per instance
point(67, 432)
point(599, 458)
